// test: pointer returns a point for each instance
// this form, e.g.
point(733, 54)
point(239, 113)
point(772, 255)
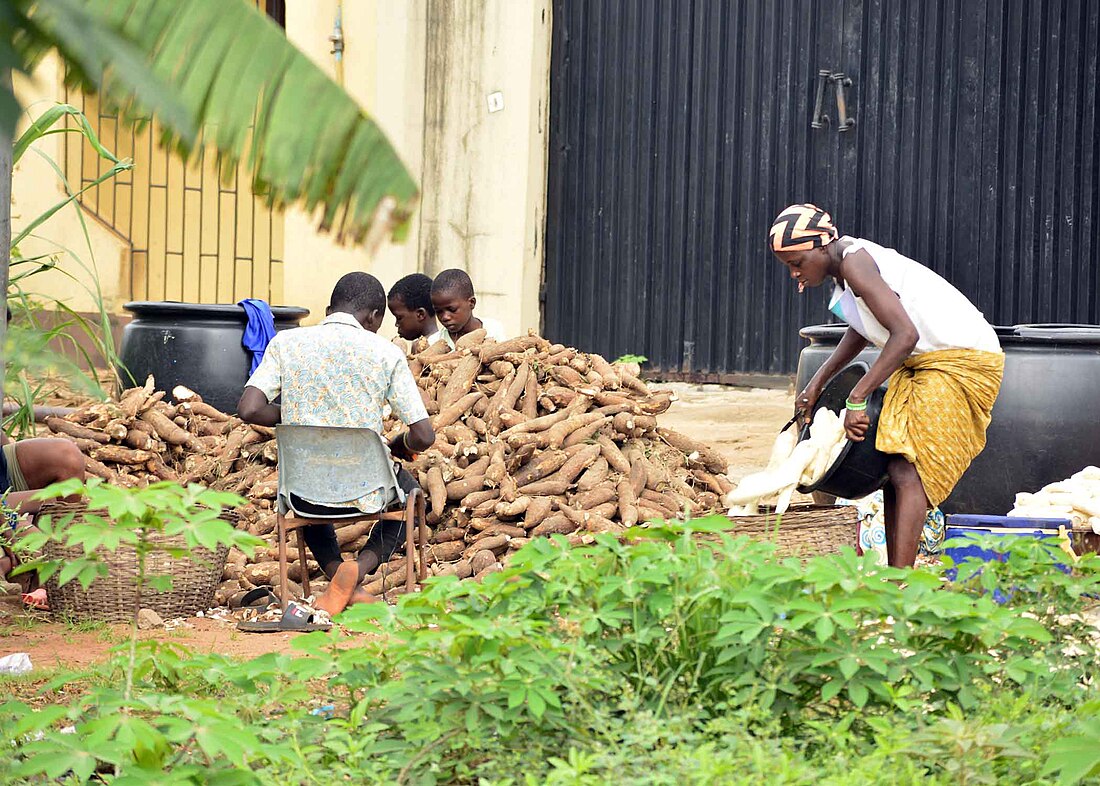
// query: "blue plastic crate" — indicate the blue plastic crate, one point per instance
point(974, 526)
point(1014, 522)
point(959, 554)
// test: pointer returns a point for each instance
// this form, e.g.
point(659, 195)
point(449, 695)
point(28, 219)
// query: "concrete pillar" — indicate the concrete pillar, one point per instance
point(484, 157)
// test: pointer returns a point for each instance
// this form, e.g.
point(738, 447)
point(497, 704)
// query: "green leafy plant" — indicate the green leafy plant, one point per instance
point(118, 517)
point(1076, 756)
point(628, 358)
point(219, 74)
point(680, 655)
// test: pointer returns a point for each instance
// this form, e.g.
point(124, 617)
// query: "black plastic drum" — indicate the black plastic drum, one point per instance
point(860, 469)
point(194, 345)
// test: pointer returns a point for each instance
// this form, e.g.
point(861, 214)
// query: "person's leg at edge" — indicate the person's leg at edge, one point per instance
point(34, 464)
point(906, 519)
point(41, 462)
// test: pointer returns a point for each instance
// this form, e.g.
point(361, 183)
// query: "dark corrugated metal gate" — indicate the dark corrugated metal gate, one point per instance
point(679, 128)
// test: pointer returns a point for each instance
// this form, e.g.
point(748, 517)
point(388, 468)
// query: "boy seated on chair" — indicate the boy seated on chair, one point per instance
point(453, 300)
point(341, 373)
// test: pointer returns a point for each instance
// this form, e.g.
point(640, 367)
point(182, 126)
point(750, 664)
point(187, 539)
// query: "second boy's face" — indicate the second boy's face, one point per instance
point(453, 311)
point(409, 323)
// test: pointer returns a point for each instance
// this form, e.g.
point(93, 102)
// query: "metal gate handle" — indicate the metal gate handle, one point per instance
point(819, 120)
point(842, 82)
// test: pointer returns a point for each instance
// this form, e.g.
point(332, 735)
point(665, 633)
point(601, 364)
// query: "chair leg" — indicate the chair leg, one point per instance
point(410, 543)
point(302, 565)
point(280, 535)
point(421, 517)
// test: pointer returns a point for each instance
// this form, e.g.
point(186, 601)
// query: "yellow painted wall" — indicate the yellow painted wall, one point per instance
point(193, 235)
point(424, 69)
point(383, 71)
point(36, 188)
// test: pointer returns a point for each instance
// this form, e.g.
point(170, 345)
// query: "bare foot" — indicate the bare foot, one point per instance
point(340, 590)
point(36, 599)
point(362, 596)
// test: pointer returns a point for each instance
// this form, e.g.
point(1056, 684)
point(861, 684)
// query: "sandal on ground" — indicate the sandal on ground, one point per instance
point(259, 598)
point(296, 619)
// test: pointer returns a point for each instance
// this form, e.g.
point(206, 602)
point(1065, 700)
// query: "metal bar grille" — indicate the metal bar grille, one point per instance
point(177, 252)
point(184, 226)
point(678, 128)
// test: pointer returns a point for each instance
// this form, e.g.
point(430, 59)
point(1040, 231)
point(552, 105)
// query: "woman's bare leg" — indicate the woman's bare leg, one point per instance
point(905, 517)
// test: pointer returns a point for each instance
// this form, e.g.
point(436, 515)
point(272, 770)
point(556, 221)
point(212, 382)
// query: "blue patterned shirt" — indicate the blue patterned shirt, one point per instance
point(338, 374)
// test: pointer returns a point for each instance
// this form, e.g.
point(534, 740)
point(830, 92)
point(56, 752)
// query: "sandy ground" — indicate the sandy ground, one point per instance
point(740, 422)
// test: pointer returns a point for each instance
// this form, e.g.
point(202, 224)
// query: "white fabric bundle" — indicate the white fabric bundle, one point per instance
point(792, 464)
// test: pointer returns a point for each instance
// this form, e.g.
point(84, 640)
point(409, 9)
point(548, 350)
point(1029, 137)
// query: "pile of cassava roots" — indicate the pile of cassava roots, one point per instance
point(532, 439)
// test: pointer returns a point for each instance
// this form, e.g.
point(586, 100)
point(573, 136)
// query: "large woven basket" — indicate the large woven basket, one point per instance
point(803, 531)
point(114, 597)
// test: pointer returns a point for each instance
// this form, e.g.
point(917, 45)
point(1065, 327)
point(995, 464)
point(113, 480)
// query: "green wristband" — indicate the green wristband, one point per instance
point(855, 407)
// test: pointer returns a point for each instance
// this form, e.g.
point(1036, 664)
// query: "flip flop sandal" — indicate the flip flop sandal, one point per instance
point(259, 598)
point(296, 619)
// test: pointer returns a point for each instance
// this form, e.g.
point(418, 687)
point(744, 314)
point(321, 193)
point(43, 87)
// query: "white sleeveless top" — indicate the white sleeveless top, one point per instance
point(943, 316)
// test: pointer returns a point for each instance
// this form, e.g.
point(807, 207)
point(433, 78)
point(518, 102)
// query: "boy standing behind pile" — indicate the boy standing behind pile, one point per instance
point(453, 300)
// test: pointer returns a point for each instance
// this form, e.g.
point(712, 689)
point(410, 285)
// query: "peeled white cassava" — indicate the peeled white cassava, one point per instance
point(792, 463)
point(1076, 498)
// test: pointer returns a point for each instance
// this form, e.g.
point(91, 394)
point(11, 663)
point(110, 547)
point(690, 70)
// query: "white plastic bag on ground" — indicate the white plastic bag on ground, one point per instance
point(15, 664)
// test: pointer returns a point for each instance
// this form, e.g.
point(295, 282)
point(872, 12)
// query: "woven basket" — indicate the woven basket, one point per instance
point(114, 597)
point(804, 531)
point(1085, 540)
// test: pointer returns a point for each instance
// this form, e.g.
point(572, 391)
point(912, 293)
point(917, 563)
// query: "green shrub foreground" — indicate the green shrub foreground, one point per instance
point(675, 659)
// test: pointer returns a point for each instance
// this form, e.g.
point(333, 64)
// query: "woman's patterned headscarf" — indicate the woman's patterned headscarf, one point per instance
point(801, 228)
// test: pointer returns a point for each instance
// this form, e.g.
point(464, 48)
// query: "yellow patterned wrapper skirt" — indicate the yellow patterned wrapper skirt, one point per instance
point(936, 411)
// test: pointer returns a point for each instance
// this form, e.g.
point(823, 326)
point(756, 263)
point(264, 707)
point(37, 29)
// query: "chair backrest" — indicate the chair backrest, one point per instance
point(332, 466)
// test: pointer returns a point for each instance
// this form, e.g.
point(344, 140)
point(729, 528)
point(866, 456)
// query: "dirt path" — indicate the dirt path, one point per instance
point(62, 645)
point(739, 422)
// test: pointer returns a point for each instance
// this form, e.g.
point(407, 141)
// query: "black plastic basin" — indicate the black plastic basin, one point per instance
point(1044, 425)
point(195, 345)
point(860, 469)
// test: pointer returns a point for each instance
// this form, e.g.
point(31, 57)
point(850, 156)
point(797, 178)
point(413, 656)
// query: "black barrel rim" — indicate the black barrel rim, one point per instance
point(1040, 333)
point(171, 308)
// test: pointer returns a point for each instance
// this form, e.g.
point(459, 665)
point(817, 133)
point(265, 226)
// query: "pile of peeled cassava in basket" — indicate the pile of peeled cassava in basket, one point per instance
point(532, 439)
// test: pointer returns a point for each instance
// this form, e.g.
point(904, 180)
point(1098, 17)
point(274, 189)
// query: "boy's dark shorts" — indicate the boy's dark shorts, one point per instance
point(384, 539)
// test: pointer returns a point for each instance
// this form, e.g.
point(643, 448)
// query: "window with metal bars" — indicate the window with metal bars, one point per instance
point(192, 237)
